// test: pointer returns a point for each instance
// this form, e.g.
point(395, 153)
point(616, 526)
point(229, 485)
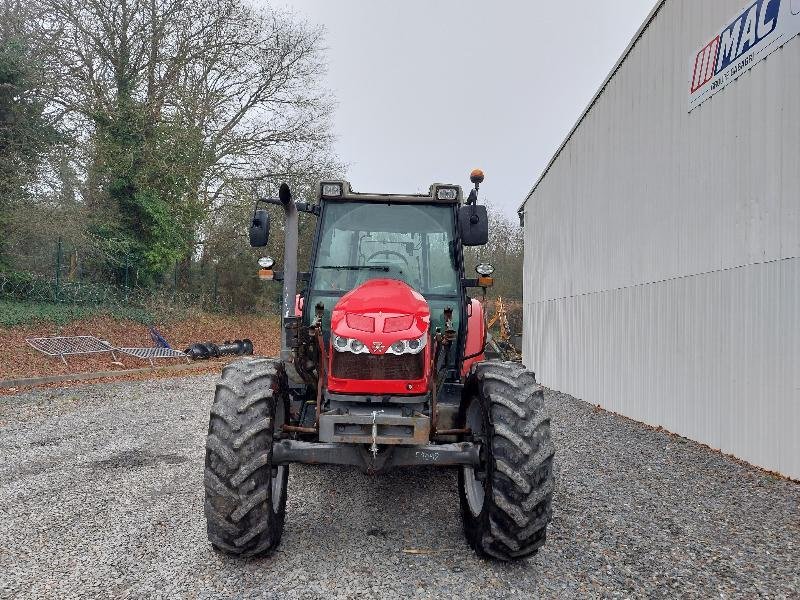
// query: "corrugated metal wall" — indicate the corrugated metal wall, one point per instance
point(662, 248)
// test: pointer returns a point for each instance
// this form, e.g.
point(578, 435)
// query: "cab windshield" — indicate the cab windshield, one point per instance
point(366, 240)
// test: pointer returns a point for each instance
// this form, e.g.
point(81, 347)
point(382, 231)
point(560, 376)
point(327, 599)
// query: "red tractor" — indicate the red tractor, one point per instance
point(382, 365)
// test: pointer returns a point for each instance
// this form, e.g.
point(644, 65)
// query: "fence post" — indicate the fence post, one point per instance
point(58, 270)
point(175, 282)
point(215, 289)
point(127, 264)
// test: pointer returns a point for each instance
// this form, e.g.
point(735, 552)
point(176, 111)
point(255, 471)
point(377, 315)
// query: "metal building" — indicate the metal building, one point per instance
point(662, 242)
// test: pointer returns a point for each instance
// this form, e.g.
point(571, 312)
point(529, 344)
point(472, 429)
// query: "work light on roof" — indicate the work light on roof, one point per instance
point(331, 189)
point(447, 193)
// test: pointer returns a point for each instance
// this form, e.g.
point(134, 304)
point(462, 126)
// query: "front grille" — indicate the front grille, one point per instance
point(347, 365)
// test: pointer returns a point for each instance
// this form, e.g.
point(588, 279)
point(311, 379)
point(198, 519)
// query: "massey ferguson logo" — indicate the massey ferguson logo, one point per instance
point(377, 346)
point(757, 21)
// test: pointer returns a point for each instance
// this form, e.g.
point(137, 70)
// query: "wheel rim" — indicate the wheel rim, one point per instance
point(473, 487)
point(279, 472)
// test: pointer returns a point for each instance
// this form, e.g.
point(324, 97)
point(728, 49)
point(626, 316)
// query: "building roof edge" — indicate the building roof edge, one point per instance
point(636, 37)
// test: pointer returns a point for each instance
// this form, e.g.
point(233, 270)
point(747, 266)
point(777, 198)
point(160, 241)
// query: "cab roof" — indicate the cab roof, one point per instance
point(438, 193)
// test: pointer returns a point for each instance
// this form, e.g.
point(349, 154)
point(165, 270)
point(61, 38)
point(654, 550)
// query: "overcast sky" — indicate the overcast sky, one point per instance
point(429, 89)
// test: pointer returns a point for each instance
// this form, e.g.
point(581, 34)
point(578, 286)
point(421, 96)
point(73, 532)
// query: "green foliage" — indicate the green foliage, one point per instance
point(25, 134)
point(153, 172)
point(14, 313)
point(172, 113)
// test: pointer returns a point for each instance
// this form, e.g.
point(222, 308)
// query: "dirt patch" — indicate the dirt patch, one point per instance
point(21, 361)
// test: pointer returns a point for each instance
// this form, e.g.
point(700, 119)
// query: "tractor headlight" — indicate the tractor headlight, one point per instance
point(343, 344)
point(414, 346)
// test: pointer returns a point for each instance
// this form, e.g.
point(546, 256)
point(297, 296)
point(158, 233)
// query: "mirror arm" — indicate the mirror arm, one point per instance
point(303, 276)
point(265, 201)
point(308, 207)
point(269, 201)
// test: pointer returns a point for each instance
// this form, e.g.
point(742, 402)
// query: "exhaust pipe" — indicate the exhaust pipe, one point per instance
point(289, 266)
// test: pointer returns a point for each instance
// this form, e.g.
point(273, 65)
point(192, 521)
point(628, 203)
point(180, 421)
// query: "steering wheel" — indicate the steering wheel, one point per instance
point(389, 253)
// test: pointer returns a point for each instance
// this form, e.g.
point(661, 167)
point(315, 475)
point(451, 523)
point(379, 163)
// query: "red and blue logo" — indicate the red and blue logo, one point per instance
point(754, 24)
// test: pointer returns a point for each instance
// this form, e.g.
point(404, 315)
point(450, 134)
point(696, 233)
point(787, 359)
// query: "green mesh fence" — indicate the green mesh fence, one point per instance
point(69, 275)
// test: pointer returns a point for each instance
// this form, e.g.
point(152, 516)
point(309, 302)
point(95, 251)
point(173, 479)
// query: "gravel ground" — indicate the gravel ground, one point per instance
point(101, 496)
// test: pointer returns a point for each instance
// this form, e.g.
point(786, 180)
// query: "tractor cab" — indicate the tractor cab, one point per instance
point(413, 239)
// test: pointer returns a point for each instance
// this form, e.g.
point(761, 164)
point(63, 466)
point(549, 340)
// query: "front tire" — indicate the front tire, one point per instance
point(245, 496)
point(506, 503)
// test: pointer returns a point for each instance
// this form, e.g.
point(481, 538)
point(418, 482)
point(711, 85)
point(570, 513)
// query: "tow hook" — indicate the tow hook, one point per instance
point(374, 447)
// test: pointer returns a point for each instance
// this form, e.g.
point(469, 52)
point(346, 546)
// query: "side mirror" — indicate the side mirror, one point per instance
point(259, 229)
point(473, 224)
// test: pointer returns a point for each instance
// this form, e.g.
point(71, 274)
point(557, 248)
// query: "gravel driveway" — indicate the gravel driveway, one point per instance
point(101, 496)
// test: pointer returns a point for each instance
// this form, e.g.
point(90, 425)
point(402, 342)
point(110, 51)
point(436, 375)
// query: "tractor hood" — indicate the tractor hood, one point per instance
point(380, 312)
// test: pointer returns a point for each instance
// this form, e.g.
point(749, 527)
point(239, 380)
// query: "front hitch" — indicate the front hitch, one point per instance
point(331, 453)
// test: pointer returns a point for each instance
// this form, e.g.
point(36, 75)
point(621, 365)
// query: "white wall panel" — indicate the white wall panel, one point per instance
point(661, 247)
point(714, 357)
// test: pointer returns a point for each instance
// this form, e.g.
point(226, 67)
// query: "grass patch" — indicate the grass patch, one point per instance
point(14, 312)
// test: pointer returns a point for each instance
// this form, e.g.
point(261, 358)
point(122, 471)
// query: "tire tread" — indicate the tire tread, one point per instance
point(239, 511)
point(520, 505)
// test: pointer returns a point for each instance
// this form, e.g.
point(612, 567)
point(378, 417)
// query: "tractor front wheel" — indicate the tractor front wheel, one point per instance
point(506, 502)
point(245, 495)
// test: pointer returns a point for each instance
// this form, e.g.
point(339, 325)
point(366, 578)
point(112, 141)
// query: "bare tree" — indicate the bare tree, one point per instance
point(505, 251)
point(178, 101)
point(28, 128)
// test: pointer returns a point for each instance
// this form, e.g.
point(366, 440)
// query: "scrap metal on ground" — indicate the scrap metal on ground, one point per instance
point(149, 354)
point(88, 344)
point(504, 342)
point(70, 345)
point(212, 350)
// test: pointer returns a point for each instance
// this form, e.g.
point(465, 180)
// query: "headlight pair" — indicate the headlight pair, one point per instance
point(414, 346)
point(343, 344)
